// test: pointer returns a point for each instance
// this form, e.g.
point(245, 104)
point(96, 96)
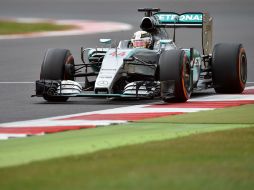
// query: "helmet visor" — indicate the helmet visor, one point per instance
point(139, 43)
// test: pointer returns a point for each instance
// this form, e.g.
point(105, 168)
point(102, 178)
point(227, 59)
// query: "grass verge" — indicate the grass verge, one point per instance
point(11, 27)
point(219, 160)
point(85, 159)
point(234, 115)
point(21, 151)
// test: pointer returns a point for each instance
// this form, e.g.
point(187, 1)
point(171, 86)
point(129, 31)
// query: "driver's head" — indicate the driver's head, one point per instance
point(141, 39)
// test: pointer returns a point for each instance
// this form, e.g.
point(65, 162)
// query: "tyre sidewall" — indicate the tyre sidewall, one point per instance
point(172, 64)
point(54, 63)
point(53, 68)
point(226, 68)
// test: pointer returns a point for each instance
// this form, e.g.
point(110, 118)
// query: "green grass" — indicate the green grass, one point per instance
point(219, 160)
point(20, 151)
point(236, 115)
point(174, 155)
point(11, 27)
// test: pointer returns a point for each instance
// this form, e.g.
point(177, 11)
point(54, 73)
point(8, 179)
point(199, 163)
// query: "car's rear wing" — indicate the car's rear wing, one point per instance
point(156, 19)
point(175, 20)
point(188, 20)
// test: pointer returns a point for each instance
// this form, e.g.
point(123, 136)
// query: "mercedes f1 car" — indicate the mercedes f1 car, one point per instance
point(163, 70)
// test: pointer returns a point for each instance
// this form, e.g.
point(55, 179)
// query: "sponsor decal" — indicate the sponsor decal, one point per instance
point(108, 69)
point(174, 18)
point(105, 77)
point(102, 83)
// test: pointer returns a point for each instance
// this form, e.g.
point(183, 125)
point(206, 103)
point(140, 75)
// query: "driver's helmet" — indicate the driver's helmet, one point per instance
point(141, 39)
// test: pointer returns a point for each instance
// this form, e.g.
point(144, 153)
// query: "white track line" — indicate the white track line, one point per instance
point(8, 136)
point(63, 123)
point(26, 82)
point(17, 82)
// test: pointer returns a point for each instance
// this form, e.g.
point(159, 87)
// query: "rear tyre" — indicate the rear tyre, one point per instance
point(229, 68)
point(53, 68)
point(174, 66)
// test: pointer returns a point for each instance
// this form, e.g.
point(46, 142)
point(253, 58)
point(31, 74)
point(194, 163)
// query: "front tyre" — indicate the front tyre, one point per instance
point(229, 68)
point(174, 66)
point(53, 68)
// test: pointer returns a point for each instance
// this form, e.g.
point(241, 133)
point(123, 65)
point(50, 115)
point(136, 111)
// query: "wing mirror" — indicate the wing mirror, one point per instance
point(106, 41)
point(163, 42)
point(166, 44)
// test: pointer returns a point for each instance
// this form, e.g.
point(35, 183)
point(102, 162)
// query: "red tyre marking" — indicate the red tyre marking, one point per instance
point(183, 78)
point(239, 67)
point(70, 60)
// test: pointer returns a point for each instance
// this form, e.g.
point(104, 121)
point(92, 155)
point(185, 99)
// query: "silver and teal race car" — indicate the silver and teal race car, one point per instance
point(163, 70)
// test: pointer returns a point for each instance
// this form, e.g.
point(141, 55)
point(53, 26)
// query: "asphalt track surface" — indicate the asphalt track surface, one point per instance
point(20, 59)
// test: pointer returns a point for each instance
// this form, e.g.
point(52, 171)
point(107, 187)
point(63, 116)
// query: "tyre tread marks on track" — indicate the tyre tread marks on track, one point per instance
point(121, 115)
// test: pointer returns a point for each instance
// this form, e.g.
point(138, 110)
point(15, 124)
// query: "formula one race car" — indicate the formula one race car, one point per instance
point(134, 70)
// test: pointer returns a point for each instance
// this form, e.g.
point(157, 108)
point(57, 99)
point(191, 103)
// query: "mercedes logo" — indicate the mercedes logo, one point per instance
point(102, 83)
